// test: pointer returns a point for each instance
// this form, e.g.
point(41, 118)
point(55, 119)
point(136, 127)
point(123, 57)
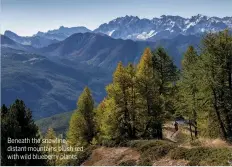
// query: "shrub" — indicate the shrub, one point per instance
point(135, 143)
point(195, 143)
point(151, 149)
point(216, 157)
point(178, 153)
point(145, 162)
point(128, 163)
point(109, 143)
point(203, 156)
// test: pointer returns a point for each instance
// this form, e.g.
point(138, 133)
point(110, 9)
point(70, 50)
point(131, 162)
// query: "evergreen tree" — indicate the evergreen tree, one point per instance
point(77, 129)
point(4, 110)
point(168, 75)
point(147, 85)
point(133, 100)
point(81, 127)
point(86, 108)
point(106, 119)
point(165, 68)
point(5, 130)
point(51, 135)
point(120, 96)
point(117, 114)
point(188, 89)
point(120, 91)
point(216, 64)
point(17, 123)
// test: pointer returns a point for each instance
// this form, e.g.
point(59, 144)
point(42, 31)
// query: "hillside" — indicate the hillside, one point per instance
point(97, 50)
point(47, 87)
point(58, 122)
point(52, 77)
point(163, 152)
point(159, 153)
point(176, 149)
point(105, 52)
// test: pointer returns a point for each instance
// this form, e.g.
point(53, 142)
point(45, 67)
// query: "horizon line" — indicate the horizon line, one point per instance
point(92, 29)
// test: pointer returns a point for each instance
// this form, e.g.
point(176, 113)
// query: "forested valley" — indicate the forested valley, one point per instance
point(141, 101)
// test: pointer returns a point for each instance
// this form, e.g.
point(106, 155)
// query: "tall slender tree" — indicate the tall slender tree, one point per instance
point(52, 146)
point(122, 92)
point(147, 84)
point(81, 126)
point(188, 89)
point(107, 121)
point(132, 102)
point(168, 75)
point(216, 61)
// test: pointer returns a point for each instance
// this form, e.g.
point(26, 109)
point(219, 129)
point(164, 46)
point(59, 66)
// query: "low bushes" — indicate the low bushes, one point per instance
point(178, 153)
point(195, 143)
point(151, 150)
point(128, 163)
point(203, 156)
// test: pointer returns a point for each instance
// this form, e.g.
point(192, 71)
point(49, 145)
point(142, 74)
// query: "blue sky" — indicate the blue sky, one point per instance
point(27, 17)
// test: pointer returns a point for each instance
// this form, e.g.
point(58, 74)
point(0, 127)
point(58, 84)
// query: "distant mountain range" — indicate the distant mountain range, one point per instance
point(167, 26)
point(132, 27)
point(62, 33)
point(49, 70)
point(42, 39)
point(97, 50)
point(35, 41)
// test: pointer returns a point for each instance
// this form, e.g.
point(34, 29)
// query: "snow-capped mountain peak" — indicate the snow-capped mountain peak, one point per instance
point(166, 26)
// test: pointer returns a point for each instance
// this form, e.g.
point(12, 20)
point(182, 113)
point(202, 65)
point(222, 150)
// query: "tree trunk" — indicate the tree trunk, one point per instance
point(219, 116)
point(160, 132)
point(196, 130)
point(146, 128)
point(133, 112)
point(229, 124)
point(190, 129)
point(194, 114)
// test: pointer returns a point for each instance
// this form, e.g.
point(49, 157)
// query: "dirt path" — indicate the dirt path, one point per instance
point(105, 156)
point(170, 133)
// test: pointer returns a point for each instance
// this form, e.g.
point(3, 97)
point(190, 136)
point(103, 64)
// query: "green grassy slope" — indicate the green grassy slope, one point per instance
point(58, 122)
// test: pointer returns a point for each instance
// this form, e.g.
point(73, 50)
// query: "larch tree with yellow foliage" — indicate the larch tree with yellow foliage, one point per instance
point(81, 127)
point(147, 85)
